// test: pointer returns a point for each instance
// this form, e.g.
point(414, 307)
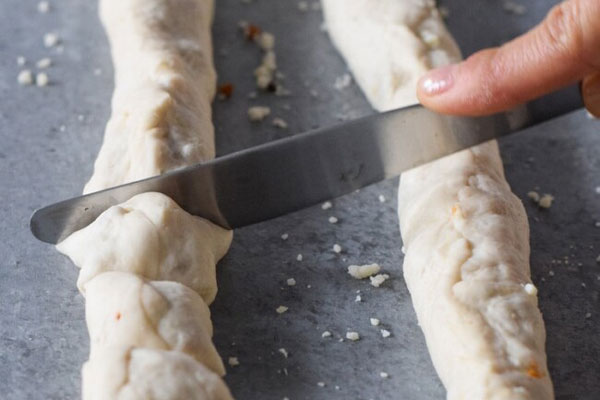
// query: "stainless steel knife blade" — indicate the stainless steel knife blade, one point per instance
point(286, 175)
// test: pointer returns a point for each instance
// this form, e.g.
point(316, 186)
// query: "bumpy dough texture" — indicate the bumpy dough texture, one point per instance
point(466, 234)
point(129, 373)
point(164, 84)
point(152, 236)
point(124, 309)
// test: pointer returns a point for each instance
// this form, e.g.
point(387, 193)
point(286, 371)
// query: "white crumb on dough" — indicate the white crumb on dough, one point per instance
point(291, 282)
point(233, 361)
point(378, 279)
point(25, 77)
point(333, 220)
point(363, 271)
point(327, 205)
point(258, 113)
point(374, 321)
point(384, 375)
point(354, 336)
point(530, 289)
point(337, 248)
point(326, 334)
point(50, 39)
point(41, 79)
point(385, 333)
point(281, 309)
point(358, 298)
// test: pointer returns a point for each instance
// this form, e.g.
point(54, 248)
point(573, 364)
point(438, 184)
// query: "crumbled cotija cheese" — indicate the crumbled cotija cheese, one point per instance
point(354, 336)
point(385, 333)
point(50, 39)
point(281, 309)
point(258, 113)
point(326, 334)
point(533, 195)
point(363, 271)
point(530, 289)
point(279, 123)
point(291, 282)
point(285, 236)
point(299, 257)
point(233, 361)
point(21, 61)
point(327, 205)
point(41, 79)
point(321, 384)
point(546, 201)
point(333, 220)
point(337, 248)
point(358, 298)
point(283, 352)
point(25, 77)
point(44, 63)
point(374, 321)
point(381, 198)
point(378, 279)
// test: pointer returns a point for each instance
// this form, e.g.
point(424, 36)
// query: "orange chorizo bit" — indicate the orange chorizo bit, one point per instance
point(225, 90)
point(251, 31)
point(533, 371)
point(118, 316)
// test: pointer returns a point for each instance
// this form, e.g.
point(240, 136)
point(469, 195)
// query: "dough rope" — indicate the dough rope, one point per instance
point(466, 234)
point(147, 266)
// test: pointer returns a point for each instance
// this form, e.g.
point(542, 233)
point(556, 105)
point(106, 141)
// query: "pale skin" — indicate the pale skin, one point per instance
point(561, 50)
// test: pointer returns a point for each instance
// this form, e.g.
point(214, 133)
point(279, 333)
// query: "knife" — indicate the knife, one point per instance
point(286, 175)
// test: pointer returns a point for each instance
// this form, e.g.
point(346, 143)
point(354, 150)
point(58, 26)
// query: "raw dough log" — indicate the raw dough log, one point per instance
point(466, 234)
point(152, 236)
point(164, 84)
point(161, 120)
point(124, 309)
point(128, 373)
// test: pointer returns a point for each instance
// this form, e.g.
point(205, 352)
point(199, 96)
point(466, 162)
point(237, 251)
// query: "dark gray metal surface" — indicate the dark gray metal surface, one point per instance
point(43, 339)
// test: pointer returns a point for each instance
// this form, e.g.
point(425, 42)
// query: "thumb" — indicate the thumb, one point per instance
point(559, 51)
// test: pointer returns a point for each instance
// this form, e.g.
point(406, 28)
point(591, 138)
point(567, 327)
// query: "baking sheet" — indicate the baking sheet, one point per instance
point(43, 339)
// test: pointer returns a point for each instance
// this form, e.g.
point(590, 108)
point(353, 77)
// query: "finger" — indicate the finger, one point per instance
point(590, 89)
point(559, 51)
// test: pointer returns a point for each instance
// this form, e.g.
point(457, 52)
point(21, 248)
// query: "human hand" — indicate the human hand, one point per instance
point(563, 49)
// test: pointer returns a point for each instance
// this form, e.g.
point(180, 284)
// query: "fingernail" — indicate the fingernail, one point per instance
point(438, 81)
point(591, 94)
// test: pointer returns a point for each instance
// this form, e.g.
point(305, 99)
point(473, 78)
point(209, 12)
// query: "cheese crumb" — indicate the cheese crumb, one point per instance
point(41, 79)
point(233, 361)
point(44, 63)
point(354, 336)
point(363, 271)
point(385, 333)
point(378, 279)
point(258, 113)
point(381, 198)
point(333, 220)
point(327, 205)
point(533, 195)
point(546, 201)
point(530, 289)
point(21, 61)
point(283, 352)
point(266, 41)
point(279, 123)
point(326, 334)
point(25, 77)
point(43, 7)
point(374, 322)
point(285, 236)
point(50, 39)
point(358, 298)
point(281, 309)
point(337, 248)
point(321, 384)
point(342, 82)
point(299, 257)
point(291, 282)
point(384, 375)
point(303, 6)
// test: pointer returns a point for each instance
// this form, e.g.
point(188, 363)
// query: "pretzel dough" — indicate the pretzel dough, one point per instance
point(466, 235)
point(152, 340)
